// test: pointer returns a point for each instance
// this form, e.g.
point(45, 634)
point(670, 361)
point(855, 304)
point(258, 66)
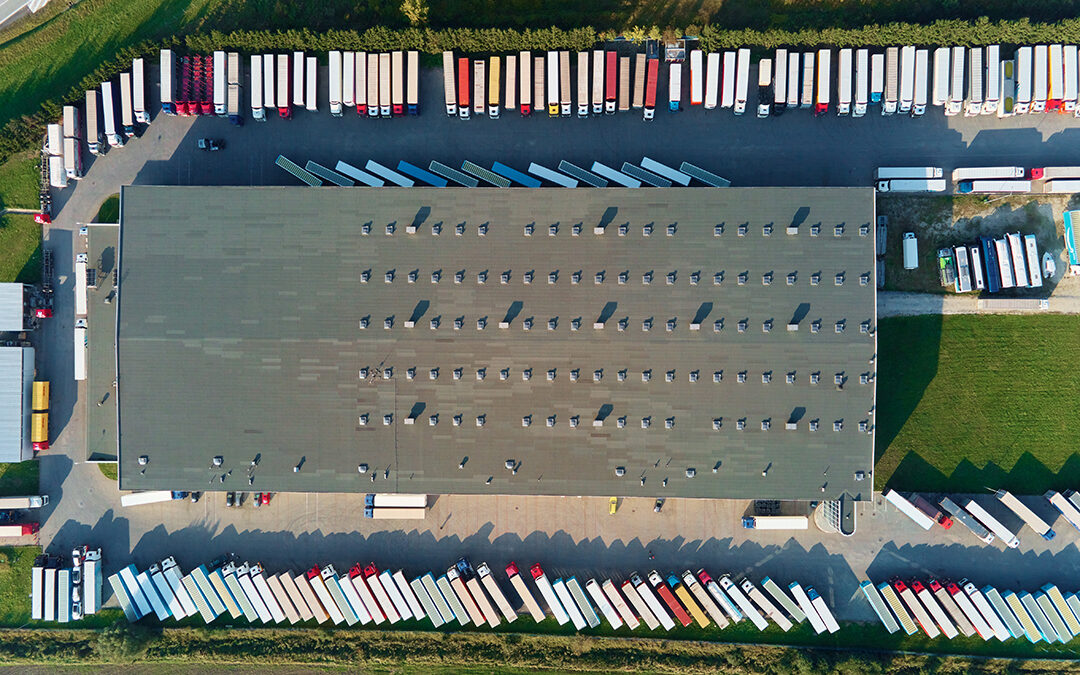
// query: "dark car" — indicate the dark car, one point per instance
point(230, 499)
point(211, 144)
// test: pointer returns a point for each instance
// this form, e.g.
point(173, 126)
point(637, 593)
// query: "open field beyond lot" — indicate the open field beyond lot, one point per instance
point(20, 248)
point(970, 402)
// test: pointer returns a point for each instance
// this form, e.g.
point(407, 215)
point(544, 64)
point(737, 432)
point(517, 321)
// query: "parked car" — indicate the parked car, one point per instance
point(230, 499)
point(211, 144)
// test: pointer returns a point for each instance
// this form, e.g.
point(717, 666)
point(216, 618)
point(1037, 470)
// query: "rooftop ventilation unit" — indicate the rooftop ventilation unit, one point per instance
point(670, 325)
point(766, 326)
point(390, 227)
point(598, 278)
point(365, 276)
point(646, 278)
point(365, 229)
point(526, 374)
point(456, 420)
point(597, 375)
point(387, 419)
point(551, 374)
point(838, 379)
point(433, 374)
point(743, 278)
point(839, 327)
point(718, 230)
point(646, 375)
point(791, 377)
point(363, 373)
point(815, 229)
point(792, 278)
point(766, 278)
point(529, 229)
point(743, 229)
point(864, 378)
point(765, 425)
point(504, 374)
point(864, 278)
point(436, 229)
point(504, 324)
point(624, 229)
point(671, 229)
point(646, 325)
point(740, 424)
point(574, 372)
point(481, 373)
point(717, 423)
point(552, 323)
point(481, 420)
point(553, 277)
point(623, 323)
point(813, 425)
point(481, 323)
point(621, 376)
point(766, 377)
point(646, 230)
point(553, 230)
point(574, 420)
point(766, 230)
point(575, 323)
point(815, 378)
point(436, 276)
point(646, 422)
point(864, 230)
point(504, 278)
point(624, 277)
point(815, 326)
point(551, 421)
point(575, 278)
point(671, 278)
point(388, 322)
point(389, 278)
point(459, 276)
point(459, 229)
point(669, 423)
point(409, 323)
point(718, 376)
point(598, 230)
point(575, 229)
point(815, 278)
point(694, 375)
point(459, 323)
point(839, 281)
point(864, 426)
point(364, 419)
point(457, 373)
point(364, 322)
point(525, 422)
point(433, 420)
point(669, 376)
point(481, 277)
point(717, 278)
point(864, 327)
point(718, 325)
point(527, 324)
point(741, 377)
point(838, 425)
point(621, 422)
point(413, 275)
point(410, 373)
point(791, 426)
point(792, 230)
point(742, 325)
point(527, 278)
point(482, 230)
point(838, 231)
point(792, 327)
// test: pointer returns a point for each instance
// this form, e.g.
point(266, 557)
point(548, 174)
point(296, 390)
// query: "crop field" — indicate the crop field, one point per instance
point(970, 402)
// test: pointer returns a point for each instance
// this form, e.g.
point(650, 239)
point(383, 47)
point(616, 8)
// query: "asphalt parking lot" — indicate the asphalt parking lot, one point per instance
point(565, 533)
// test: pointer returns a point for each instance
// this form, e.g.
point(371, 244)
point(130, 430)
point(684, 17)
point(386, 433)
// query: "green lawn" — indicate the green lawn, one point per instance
point(15, 564)
point(20, 248)
point(108, 469)
point(19, 479)
point(970, 402)
point(109, 211)
point(20, 180)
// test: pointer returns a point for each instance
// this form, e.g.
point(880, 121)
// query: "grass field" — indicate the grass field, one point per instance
point(969, 402)
point(108, 469)
point(19, 182)
point(20, 248)
point(109, 211)
point(15, 564)
point(19, 479)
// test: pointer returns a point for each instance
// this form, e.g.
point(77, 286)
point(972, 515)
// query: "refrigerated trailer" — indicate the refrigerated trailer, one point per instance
point(583, 84)
point(1069, 79)
point(767, 607)
point(299, 64)
point(975, 83)
point(607, 609)
point(386, 77)
point(311, 65)
point(727, 82)
point(780, 70)
point(492, 587)
point(335, 83)
point(126, 116)
point(992, 80)
point(397, 83)
point(269, 91)
point(1056, 81)
point(138, 91)
point(624, 83)
point(764, 89)
point(1023, 76)
point(526, 596)
point(652, 75)
point(843, 82)
point(479, 80)
point(1040, 79)
point(824, 81)
point(942, 74)
point(598, 82)
point(993, 524)
point(348, 79)
point(553, 84)
point(510, 93)
point(412, 90)
point(674, 86)
point(565, 84)
point(449, 92)
point(696, 81)
point(806, 98)
point(965, 519)
point(1067, 509)
point(892, 81)
point(494, 86)
point(907, 79)
point(877, 77)
point(908, 509)
point(166, 82)
point(284, 108)
point(650, 599)
point(1015, 505)
point(258, 113)
point(525, 82)
point(611, 64)
point(373, 86)
point(960, 620)
point(956, 87)
point(93, 131)
point(922, 67)
point(742, 80)
point(219, 83)
point(538, 82)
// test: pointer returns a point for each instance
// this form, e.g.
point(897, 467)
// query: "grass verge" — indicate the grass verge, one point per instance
point(19, 479)
point(967, 402)
point(109, 211)
point(108, 469)
point(20, 180)
point(20, 249)
point(405, 651)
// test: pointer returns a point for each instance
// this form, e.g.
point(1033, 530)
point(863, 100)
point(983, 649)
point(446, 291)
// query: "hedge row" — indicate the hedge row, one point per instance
point(23, 133)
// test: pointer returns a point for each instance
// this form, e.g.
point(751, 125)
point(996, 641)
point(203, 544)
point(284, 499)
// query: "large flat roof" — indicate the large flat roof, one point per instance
point(241, 334)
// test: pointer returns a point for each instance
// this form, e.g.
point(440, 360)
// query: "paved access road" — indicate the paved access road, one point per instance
point(567, 533)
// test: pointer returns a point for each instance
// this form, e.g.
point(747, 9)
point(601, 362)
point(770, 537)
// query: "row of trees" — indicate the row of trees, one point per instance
point(21, 134)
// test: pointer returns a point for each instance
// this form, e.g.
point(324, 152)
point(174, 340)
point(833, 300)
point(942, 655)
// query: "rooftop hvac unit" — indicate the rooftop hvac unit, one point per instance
point(815, 229)
point(410, 324)
point(646, 230)
point(575, 229)
point(793, 326)
point(598, 325)
point(624, 229)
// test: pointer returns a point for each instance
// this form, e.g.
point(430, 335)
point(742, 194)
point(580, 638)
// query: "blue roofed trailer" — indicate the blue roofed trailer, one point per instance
point(1002, 608)
point(420, 174)
point(1070, 243)
point(162, 585)
point(514, 175)
point(615, 176)
point(130, 612)
point(1031, 631)
point(127, 575)
point(161, 610)
point(989, 256)
point(552, 176)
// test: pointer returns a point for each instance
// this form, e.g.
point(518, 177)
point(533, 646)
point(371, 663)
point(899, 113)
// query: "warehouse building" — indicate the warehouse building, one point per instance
point(661, 342)
point(16, 391)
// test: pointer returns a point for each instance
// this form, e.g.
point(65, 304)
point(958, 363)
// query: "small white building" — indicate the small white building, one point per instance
point(16, 391)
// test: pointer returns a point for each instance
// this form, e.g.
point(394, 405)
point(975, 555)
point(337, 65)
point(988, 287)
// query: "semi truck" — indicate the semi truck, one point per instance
point(674, 86)
point(916, 608)
point(993, 186)
point(494, 84)
point(697, 83)
point(965, 519)
point(91, 582)
point(397, 83)
point(150, 497)
point(1040, 79)
point(219, 83)
point(824, 81)
point(138, 91)
point(993, 80)
point(862, 83)
point(704, 599)
point(553, 84)
point(564, 83)
point(166, 82)
point(598, 82)
point(974, 103)
point(258, 113)
point(478, 82)
point(548, 593)
point(284, 108)
point(538, 82)
point(650, 599)
point(348, 79)
point(449, 91)
point(412, 91)
point(127, 118)
point(946, 625)
point(742, 80)
point(877, 77)
point(1067, 509)
point(907, 508)
point(775, 522)
point(767, 607)
point(336, 81)
point(606, 607)
point(945, 599)
point(765, 92)
point(892, 81)
point(1033, 521)
point(745, 607)
point(843, 82)
point(640, 606)
point(526, 596)
point(385, 86)
point(28, 502)
point(525, 82)
point(722, 599)
point(922, 66)
point(583, 84)
point(1070, 83)
point(993, 524)
point(942, 73)
point(492, 587)
point(373, 86)
point(299, 65)
point(652, 75)
point(727, 82)
point(907, 79)
point(956, 87)
point(611, 74)
point(93, 131)
point(22, 530)
point(823, 610)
